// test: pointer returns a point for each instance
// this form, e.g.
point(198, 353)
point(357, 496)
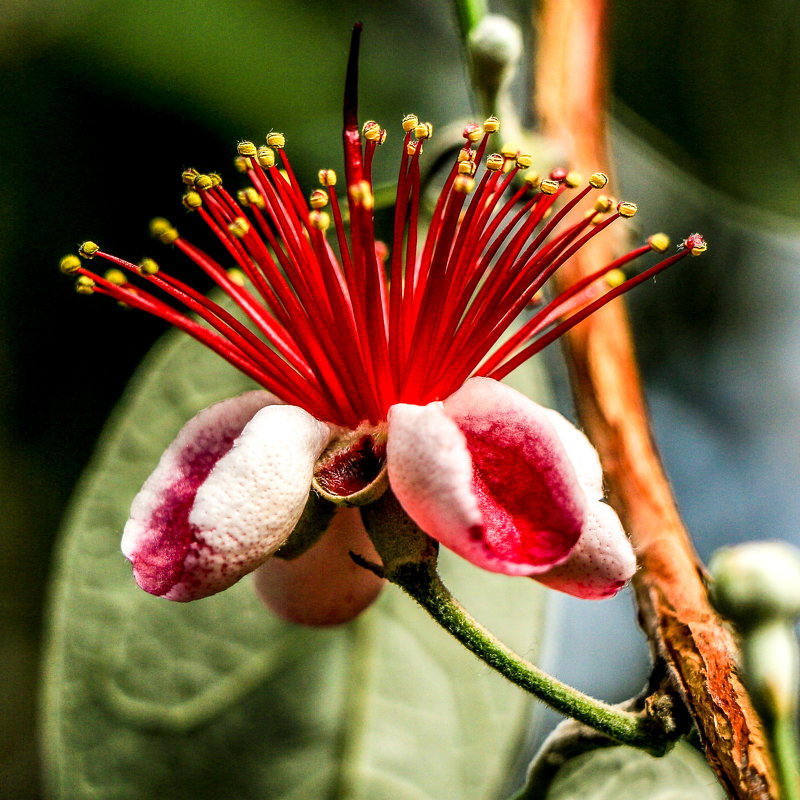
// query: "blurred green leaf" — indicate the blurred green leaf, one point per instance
point(218, 699)
point(622, 773)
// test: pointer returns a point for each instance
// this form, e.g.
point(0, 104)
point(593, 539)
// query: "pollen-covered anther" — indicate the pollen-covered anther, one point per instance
point(495, 161)
point(216, 179)
point(410, 121)
point(318, 199)
point(84, 285)
point(240, 164)
point(696, 243)
point(246, 149)
point(373, 132)
point(472, 132)
point(491, 125)
point(463, 184)
point(361, 194)
point(69, 264)
point(239, 228)
point(148, 266)
point(327, 177)
point(603, 204)
point(626, 209)
point(549, 186)
point(276, 140)
point(524, 161)
point(467, 168)
point(509, 150)
point(159, 225)
point(659, 242)
point(598, 180)
point(465, 154)
point(532, 179)
point(236, 276)
point(115, 276)
point(203, 183)
point(615, 277)
point(88, 249)
point(192, 200)
point(573, 179)
point(413, 148)
point(320, 220)
point(188, 176)
point(424, 130)
point(265, 157)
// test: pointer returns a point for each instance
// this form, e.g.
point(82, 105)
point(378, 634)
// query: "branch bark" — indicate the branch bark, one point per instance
point(674, 610)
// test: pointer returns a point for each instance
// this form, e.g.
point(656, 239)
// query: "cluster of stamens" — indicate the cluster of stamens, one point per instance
point(345, 326)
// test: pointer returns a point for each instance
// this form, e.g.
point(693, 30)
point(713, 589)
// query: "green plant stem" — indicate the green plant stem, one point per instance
point(425, 586)
point(786, 751)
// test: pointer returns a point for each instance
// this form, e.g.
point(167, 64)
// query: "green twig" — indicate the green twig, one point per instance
point(786, 750)
point(423, 584)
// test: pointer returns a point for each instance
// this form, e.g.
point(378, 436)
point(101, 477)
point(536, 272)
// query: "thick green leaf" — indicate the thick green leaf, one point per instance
point(218, 699)
point(622, 773)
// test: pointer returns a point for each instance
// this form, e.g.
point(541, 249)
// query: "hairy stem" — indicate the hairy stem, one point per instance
point(423, 584)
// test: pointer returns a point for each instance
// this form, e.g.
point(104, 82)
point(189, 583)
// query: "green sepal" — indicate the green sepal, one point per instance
point(313, 522)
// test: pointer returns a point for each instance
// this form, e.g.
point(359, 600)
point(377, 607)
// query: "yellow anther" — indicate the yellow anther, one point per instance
point(463, 184)
point(524, 160)
point(424, 130)
point(277, 140)
point(254, 198)
point(158, 225)
point(472, 132)
point(188, 176)
point(491, 125)
point(413, 148)
point(192, 200)
point(236, 276)
point(84, 285)
point(240, 164)
point(410, 121)
point(69, 264)
point(318, 199)
point(467, 168)
point(266, 156)
point(203, 183)
point(549, 186)
point(573, 179)
point(466, 155)
point(533, 179)
point(509, 150)
point(239, 228)
point(88, 249)
point(216, 179)
point(246, 149)
point(327, 177)
point(320, 220)
point(361, 194)
point(700, 248)
point(603, 204)
point(659, 242)
point(627, 209)
point(598, 180)
point(148, 266)
point(615, 277)
point(373, 132)
point(169, 236)
point(242, 197)
point(115, 276)
point(494, 162)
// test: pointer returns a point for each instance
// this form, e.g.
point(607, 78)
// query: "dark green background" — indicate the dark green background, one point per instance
point(103, 104)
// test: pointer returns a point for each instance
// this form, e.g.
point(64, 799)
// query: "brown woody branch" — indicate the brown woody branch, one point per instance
point(684, 630)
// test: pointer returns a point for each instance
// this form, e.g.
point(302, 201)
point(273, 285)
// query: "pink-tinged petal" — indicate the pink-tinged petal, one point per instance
point(532, 504)
point(486, 474)
point(226, 494)
point(324, 586)
point(600, 564)
point(582, 455)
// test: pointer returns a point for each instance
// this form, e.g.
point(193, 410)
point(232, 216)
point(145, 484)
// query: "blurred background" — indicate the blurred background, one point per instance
point(105, 102)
